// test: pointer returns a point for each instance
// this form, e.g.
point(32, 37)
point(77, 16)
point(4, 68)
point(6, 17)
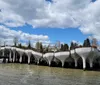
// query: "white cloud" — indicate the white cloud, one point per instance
point(7, 35)
point(8, 17)
point(59, 14)
point(91, 22)
point(40, 13)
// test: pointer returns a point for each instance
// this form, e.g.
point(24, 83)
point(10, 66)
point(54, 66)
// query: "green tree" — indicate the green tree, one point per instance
point(86, 43)
point(41, 47)
point(29, 45)
point(65, 47)
point(62, 47)
point(73, 45)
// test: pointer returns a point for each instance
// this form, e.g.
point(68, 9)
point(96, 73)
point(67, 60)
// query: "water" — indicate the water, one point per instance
point(23, 74)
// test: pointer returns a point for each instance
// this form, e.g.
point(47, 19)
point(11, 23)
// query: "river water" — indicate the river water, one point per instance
point(23, 74)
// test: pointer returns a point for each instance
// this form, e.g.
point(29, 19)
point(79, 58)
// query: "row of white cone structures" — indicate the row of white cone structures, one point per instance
point(84, 53)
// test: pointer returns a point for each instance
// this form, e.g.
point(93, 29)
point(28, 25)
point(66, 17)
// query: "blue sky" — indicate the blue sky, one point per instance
point(56, 34)
point(93, 0)
point(43, 20)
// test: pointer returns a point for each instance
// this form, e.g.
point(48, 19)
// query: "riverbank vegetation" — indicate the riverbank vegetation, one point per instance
point(39, 47)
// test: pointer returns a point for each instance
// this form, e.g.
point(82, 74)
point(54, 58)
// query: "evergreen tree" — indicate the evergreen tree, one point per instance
point(29, 45)
point(62, 47)
point(86, 43)
point(41, 47)
point(65, 47)
point(72, 46)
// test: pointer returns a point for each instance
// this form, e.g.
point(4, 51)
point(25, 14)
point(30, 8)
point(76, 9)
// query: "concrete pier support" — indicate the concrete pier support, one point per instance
point(20, 60)
point(62, 61)
point(37, 61)
point(75, 57)
point(29, 59)
point(10, 59)
point(91, 63)
point(76, 62)
point(84, 63)
point(3, 53)
point(14, 55)
point(49, 63)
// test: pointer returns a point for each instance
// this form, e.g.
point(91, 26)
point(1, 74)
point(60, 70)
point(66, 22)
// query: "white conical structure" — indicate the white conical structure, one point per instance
point(49, 57)
point(84, 52)
point(62, 56)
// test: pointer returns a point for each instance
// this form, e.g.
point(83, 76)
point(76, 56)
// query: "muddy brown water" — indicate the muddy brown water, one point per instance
point(23, 74)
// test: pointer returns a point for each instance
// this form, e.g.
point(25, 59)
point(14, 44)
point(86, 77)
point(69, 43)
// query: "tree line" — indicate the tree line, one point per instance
point(63, 47)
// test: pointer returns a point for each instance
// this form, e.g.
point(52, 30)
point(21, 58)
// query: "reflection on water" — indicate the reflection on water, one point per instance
point(22, 74)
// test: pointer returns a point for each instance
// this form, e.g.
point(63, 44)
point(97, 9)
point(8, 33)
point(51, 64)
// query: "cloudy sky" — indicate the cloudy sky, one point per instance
point(49, 21)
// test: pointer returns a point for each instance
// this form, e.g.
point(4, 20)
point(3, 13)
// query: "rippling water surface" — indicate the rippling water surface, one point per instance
point(23, 74)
